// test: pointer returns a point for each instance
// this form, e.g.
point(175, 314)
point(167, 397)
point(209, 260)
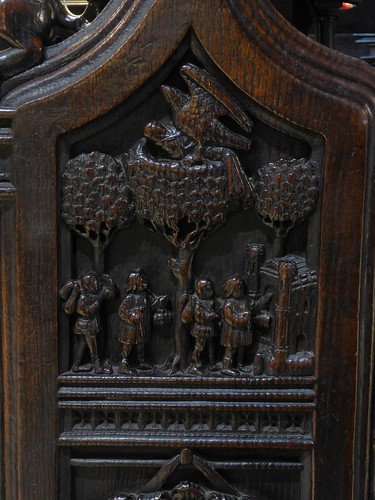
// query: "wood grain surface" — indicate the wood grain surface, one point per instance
point(96, 79)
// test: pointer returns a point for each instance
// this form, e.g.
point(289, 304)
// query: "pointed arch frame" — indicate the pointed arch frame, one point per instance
point(296, 79)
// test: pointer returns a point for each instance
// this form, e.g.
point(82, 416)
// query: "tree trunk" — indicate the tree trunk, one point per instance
point(278, 246)
point(99, 259)
point(181, 268)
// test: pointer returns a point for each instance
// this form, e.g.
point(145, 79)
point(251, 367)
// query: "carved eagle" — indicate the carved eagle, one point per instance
point(197, 115)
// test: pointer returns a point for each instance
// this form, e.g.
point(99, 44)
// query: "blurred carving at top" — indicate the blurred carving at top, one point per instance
point(28, 26)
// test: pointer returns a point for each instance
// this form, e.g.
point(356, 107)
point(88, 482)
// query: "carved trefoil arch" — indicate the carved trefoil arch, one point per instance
point(199, 176)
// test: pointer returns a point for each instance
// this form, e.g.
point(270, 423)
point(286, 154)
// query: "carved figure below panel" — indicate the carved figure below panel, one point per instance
point(199, 310)
point(219, 489)
point(137, 311)
point(83, 298)
point(186, 491)
point(29, 25)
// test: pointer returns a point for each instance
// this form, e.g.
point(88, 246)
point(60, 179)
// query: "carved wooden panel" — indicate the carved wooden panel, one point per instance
point(188, 272)
point(223, 340)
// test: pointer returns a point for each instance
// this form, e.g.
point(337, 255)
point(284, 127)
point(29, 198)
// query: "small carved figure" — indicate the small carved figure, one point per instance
point(84, 297)
point(239, 312)
point(137, 311)
point(167, 137)
point(199, 310)
point(28, 25)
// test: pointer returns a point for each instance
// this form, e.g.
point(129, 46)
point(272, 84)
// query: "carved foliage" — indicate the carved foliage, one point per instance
point(97, 199)
point(286, 193)
point(179, 200)
point(191, 181)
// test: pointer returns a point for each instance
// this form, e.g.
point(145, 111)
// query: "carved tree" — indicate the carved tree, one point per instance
point(185, 178)
point(96, 200)
point(286, 194)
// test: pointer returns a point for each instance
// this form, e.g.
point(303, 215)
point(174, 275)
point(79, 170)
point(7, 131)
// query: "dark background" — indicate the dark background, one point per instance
point(360, 19)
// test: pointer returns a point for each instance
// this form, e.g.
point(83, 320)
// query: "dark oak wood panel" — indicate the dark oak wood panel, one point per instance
point(238, 361)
